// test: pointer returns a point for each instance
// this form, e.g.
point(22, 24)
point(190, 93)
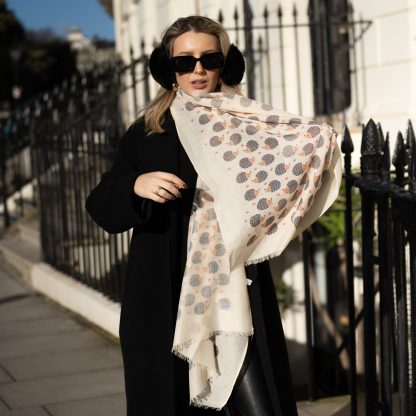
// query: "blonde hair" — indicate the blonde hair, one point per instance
point(154, 112)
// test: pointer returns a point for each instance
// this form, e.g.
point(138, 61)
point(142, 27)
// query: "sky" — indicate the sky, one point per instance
point(58, 15)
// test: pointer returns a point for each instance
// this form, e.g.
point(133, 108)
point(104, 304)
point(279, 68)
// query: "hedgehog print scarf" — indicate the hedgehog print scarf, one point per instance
point(263, 177)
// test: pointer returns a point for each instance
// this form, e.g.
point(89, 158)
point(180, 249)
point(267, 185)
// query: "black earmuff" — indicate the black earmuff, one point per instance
point(234, 67)
point(161, 68)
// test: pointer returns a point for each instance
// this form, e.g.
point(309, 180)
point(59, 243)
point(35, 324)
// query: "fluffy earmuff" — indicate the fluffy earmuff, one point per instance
point(161, 69)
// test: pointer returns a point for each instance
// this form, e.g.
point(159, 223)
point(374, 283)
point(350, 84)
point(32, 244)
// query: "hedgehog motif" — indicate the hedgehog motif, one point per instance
point(250, 129)
point(303, 179)
point(246, 162)
point(205, 118)
point(315, 162)
point(273, 186)
point(219, 249)
point(251, 240)
point(219, 126)
point(267, 159)
point(281, 168)
point(291, 187)
point(313, 131)
point(290, 137)
point(266, 107)
point(204, 238)
point(297, 220)
point(289, 151)
point(211, 215)
point(243, 176)
point(197, 257)
point(216, 103)
point(281, 203)
point(245, 102)
point(260, 176)
point(298, 169)
point(235, 122)
point(264, 203)
point(212, 267)
point(251, 146)
point(216, 140)
point(254, 118)
point(273, 119)
point(272, 229)
point(307, 149)
point(321, 142)
point(235, 138)
point(295, 196)
point(251, 194)
point(255, 220)
point(282, 215)
point(229, 155)
point(270, 143)
point(190, 106)
point(268, 221)
point(315, 122)
point(295, 122)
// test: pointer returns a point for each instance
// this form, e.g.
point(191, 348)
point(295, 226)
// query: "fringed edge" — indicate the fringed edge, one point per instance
point(264, 258)
point(177, 350)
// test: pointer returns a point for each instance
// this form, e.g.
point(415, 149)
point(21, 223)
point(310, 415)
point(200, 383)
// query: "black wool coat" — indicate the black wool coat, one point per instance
point(156, 381)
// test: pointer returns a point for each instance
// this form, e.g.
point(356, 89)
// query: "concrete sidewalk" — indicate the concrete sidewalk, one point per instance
point(51, 362)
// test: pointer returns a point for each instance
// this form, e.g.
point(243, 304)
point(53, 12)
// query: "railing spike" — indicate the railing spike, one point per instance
point(295, 11)
point(385, 160)
point(347, 146)
point(265, 13)
point(236, 16)
point(399, 159)
point(381, 135)
point(220, 17)
point(370, 151)
point(279, 11)
point(409, 134)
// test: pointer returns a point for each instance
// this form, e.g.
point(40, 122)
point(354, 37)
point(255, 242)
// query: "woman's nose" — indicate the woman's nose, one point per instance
point(199, 68)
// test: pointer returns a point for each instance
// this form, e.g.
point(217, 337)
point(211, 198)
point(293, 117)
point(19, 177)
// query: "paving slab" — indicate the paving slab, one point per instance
point(29, 308)
point(65, 341)
point(64, 362)
point(101, 406)
point(41, 326)
point(52, 390)
point(10, 287)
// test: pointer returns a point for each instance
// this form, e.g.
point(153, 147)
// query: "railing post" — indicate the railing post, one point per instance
point(347, 148)
point(249, 50)
point(370, 161)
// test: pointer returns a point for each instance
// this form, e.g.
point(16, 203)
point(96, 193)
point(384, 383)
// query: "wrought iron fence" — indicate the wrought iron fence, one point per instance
point(388, 252)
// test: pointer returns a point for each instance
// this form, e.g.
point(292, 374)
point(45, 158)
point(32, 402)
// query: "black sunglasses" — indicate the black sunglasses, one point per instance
point(186, 63)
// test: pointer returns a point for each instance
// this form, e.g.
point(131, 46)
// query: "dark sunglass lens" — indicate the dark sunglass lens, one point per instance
point(184, 63)
point(212, 60)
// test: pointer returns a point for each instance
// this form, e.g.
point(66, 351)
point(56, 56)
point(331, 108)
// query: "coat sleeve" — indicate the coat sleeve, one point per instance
point(112, 204)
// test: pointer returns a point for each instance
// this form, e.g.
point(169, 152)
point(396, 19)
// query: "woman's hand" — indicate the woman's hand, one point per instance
point(159, 186)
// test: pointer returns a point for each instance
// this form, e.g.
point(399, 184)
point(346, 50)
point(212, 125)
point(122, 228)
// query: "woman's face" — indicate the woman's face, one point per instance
point(200, 80)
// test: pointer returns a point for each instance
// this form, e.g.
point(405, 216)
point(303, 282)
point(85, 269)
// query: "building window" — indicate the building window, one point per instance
point(330, 55)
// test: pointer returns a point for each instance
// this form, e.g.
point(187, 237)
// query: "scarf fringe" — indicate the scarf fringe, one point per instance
point(261, 259)
point(177, 350)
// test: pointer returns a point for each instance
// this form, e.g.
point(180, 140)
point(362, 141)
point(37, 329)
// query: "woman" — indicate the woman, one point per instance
point(154, 187)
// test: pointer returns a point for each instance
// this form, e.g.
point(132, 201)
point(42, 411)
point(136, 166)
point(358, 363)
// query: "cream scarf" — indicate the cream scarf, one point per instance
point(263, 177)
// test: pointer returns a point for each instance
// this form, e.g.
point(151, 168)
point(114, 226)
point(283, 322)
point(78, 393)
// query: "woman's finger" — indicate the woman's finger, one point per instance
point(170, 188)
point(170, 177)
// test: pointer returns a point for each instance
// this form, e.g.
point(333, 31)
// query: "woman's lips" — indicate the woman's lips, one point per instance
point(199, 85)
